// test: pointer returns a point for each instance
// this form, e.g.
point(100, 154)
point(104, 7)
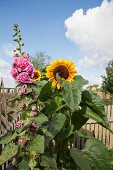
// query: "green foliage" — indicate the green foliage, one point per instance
point(8, 152)
point(107, 84)
point(72, 92)
point(43, 138)
point(8, 138)
point(55, 125)
point(94, 156)
point(60, 113)
point(40, 60)
point(37, 144)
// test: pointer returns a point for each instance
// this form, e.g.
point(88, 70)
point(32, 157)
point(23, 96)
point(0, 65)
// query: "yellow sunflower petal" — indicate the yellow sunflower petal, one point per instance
point(37, 75)
point(64, 68)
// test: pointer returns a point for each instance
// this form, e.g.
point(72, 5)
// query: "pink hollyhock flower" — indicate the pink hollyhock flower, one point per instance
point(22, 90)
point(29, 69)
point(19, 124)
point(20, 63)
point(21, 141)
point(21, 106)
point(26, 55)
point(24, 78)
point(14, 73)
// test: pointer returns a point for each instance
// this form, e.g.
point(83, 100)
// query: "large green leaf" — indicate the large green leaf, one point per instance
point(80, 159)
point(45, 92)
point(94, 108)
point(50, 108)
point(40, 119)
point(95, 155)
point(100, 119)
point(8, 138)
point(72, 92)
point(55, 126)
point(23, 165)
point(78, 119)
point(37, 144)
point(94, 102)
point(65, 132)
point(8, 152)
point(48, 162)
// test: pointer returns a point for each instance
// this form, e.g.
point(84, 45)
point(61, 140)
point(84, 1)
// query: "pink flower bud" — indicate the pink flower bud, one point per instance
point(21, 141)
point(33, 125)
point(22, 90)
point(26, 55)
point(33, 96)
point(21, 106)
point(19, 124)
point(34, 112)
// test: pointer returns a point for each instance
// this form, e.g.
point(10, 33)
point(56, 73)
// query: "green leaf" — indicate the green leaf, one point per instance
point(8, 138)
point(50, 108)
point(8, 152)
point(45, 92)
point(23, 165)
point(95, 155)
point(37, 144)
point(55, 126)
point(80, 159)
point(40, 119)
point(64, 133)
point(78, 119)
point(48, 162)
point(94, 102)
point(95, 108)
point(72, 92)
point(100, 119)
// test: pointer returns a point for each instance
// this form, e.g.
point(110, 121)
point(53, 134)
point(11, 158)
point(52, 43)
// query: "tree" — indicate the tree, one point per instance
point(108, 79)
point(40, 60)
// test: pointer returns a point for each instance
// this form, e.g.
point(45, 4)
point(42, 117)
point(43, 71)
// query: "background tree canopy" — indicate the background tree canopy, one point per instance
point(108, 79)
point(40, 60)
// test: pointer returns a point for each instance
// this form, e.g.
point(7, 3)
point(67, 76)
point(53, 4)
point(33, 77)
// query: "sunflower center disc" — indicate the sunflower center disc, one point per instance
point(35, 75)
point(62, 72)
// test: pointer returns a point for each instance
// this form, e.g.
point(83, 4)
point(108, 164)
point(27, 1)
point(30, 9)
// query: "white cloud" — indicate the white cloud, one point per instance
point(93, 33)
point(93, 79)
point(7, 49)
point(5, 74)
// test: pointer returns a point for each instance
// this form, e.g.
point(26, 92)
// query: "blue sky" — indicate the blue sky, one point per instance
point(43, 28)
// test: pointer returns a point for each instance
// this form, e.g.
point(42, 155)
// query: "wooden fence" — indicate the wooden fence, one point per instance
point(91, 126)
point(5, 94)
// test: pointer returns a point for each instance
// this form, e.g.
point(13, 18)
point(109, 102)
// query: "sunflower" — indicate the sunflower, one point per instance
point(64, 68)
point(37, 75)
